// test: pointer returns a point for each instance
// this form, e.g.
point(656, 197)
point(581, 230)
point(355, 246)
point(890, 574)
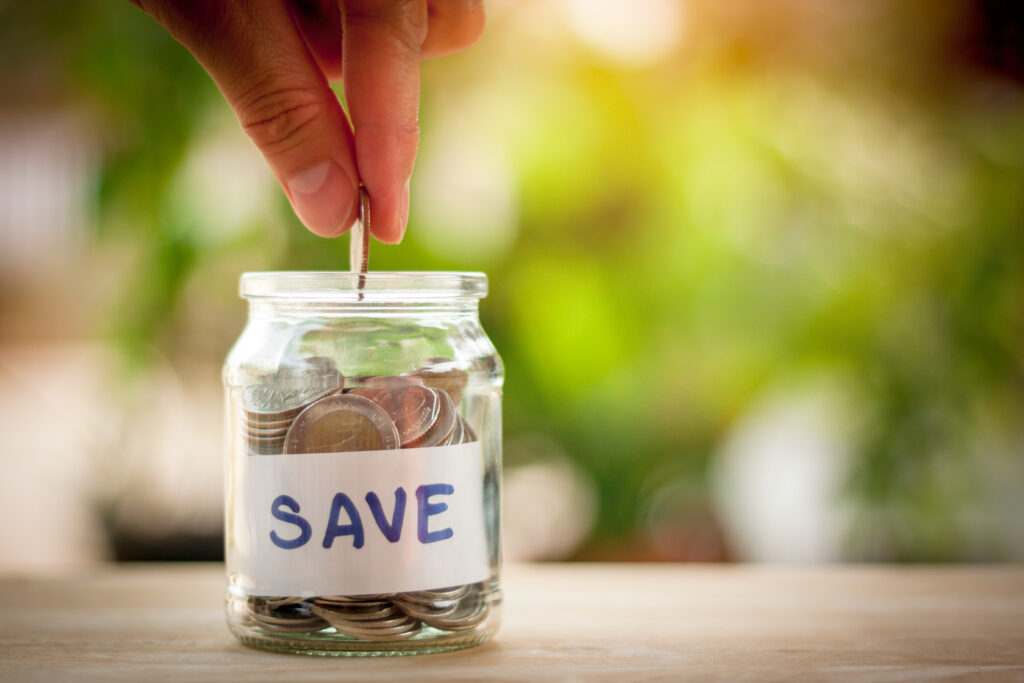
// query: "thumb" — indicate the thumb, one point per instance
point(258, 59)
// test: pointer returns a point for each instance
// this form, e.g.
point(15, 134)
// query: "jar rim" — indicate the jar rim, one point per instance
point(399, 286)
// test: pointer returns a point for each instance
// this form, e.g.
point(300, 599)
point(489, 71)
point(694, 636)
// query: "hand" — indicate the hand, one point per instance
point(272, 60)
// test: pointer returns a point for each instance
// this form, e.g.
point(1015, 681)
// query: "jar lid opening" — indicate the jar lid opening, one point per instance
point(399, 286)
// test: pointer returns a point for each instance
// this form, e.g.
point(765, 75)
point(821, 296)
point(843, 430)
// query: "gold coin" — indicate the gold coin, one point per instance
point(413, 408)
point(341, 423)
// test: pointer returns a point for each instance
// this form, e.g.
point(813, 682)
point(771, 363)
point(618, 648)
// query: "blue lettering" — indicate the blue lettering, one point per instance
point(392, 531)
point(427, 509)
point(353, 529)
point(304, 529)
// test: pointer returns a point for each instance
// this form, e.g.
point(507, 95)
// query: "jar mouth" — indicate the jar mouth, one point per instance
point(375, 286)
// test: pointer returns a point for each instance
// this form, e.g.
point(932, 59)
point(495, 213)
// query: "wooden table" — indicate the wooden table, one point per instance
point(562, 621)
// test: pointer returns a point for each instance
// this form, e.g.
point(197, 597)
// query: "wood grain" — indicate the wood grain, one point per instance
point(562, 621)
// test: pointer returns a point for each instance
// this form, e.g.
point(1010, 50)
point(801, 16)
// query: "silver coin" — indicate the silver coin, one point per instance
point(265, 433)
point(442, 427)
point(359, 244)
point(359, 241)
point(432, 597)
point(259, 438)
point(284, 620)
point(266, 403)
point(272, 602)
point(471, 611)
point(284, 615)
point(448, 609)
point(356, 615)
point(341, 423)
point(294, 374)
point(458, 433)
point(395, 626)
point(395, 618)
point(306, 626)
point(323, 363)
point(463, 620)
point(303, 369)
point(265, 450)
point(261, 424)
point(470, 435)
point(294, 384)
point(373, 599)
point(424, 613)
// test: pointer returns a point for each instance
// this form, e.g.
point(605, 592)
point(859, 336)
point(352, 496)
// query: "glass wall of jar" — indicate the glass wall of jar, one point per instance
point(363, 465)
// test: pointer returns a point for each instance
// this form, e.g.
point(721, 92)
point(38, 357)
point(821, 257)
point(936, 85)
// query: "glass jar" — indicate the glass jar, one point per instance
point(364, 465)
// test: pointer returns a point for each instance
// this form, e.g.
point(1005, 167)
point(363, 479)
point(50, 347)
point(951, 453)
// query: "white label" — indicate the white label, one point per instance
point(357, 523)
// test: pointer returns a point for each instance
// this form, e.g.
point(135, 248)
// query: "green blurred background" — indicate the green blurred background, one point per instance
point(756, 275)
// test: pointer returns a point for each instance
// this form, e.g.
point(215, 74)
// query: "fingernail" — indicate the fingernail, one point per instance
point(403, 213)
point(323, 197)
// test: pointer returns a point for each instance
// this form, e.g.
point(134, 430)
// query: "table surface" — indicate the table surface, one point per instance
point(562, 621)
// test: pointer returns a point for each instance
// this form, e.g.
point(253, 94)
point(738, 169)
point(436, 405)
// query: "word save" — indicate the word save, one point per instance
point(344, 518)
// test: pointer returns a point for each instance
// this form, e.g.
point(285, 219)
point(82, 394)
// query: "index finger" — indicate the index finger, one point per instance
point(381, 67)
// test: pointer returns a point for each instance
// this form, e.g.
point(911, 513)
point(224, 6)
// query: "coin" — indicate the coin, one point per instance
point(269, 403)
point(442, 427)
point(457, 435)
point(450, 609)
point(284, 615)
point(392, 381)
point(281, 395)
point(414, 408)
point(470, 435)
point(261, 424)
point(259, 432)
point(305, 368)
point(266, 443)
point(367, 621)
point(341, 423)
point(322, 362)
point(469, 614)
point(441, 373)
point(359, 241)
point(431, 597)
point(313, 623)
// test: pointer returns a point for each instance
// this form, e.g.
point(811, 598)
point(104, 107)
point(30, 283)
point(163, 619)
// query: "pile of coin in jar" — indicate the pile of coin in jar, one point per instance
point(313, 408)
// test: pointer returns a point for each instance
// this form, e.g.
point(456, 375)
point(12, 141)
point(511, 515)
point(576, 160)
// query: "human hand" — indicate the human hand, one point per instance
point(272, 60)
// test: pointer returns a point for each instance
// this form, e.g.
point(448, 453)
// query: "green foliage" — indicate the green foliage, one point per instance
point(688, 234)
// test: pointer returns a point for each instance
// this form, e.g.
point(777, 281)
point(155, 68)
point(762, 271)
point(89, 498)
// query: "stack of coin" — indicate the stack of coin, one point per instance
point(284, 615)
point(366, 618)
point(374, 617)
point(270, 408)
point(449, 609)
